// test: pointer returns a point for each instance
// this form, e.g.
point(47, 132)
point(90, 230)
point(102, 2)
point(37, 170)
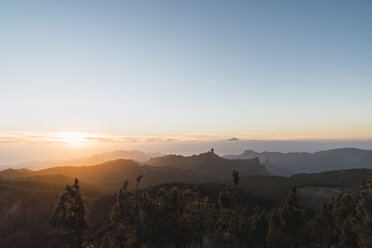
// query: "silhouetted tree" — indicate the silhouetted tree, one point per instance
point(138, 225)
point(178, 214)
point(362, 222)
point(227, 226)
point(275, 235)
point(69, 216)
point(155, 226)
point(324, 225)
point(227, 223)
point(291, 219)
point(259, 228)
point(235, 177)
point(182, 218)
point(124, 217)
point(205, 216)
point(245, 227)
point(343, 209)
point(348, 238)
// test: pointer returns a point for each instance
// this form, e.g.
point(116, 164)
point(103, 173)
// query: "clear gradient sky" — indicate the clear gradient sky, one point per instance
point(251, 69)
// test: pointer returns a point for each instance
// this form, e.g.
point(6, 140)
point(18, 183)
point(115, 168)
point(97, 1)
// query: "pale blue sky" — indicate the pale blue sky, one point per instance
point(252, 69)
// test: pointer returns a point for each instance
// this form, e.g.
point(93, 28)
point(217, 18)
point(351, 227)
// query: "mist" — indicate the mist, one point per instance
point(18, 152)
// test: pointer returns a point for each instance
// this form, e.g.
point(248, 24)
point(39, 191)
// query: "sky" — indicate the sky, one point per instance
point(184, 70)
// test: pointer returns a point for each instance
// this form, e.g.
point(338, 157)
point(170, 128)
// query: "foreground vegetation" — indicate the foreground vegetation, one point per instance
point(182, 216)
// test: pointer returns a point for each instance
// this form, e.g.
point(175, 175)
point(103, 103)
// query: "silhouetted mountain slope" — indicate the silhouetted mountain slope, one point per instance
point(346, 153)
point(206, 167)
point(27, 198)
point(294, 163)
point(275, 187)
point(211, 165)
point(367, 160)
point(111, 175)
point(273, 169)
point(92, 160)
point(27, 205)
point(15, 173)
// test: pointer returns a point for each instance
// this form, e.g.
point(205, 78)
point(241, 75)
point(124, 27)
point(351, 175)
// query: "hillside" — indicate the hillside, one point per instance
point(111, 175)
point(27, 205)
point(92, 160)
point(286, 164)
point(310, 186)
point(29, 197)
point(206, 167)
point(211, 165)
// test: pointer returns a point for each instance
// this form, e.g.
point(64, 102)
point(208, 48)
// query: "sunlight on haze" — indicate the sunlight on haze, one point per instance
point(72, 137)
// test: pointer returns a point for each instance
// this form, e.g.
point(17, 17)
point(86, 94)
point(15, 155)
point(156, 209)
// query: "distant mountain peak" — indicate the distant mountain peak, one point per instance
point(305, 162)
point(233, 139)
point(210, 164)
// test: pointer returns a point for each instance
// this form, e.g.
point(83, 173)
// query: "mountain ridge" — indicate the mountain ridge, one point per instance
point(303, 162)
point(211, 164)
point(83, 161)
point(205, 167)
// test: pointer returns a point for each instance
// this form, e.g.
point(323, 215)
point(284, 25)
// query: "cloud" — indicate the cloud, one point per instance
point(17, 137)
point(10, 137)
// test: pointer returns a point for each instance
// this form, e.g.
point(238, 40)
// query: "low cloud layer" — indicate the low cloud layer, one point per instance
point(17, 137)
point(77, 137)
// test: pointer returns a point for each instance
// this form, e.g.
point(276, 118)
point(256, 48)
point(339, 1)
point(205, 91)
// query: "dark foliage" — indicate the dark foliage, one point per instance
point(182, 216)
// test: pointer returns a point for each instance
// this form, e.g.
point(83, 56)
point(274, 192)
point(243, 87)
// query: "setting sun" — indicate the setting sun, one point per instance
point(72, 137)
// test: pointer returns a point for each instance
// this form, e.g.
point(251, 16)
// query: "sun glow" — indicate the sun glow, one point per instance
point(73, 137)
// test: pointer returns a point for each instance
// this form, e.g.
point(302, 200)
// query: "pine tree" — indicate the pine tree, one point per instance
point(362, 223)
point(138, 224)
point(178, 212)
point(308, 228)
point(324, 225)
point(227, 224)
point(204, 215)
point(244, 227)
point(154, 223)
point(172, 205)
point(348, 238)
point(291, 219)
point(124, 216)
point(342, 212)
point(69, 216)
point(275, 235)
point(259, 228)
point(235, 177)
point(225, 198)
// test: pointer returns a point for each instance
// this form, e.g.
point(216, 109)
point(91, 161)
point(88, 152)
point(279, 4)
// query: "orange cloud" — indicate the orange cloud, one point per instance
point(77, 137)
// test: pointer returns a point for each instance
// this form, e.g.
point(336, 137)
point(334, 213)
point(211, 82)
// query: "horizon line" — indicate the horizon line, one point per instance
point(66, 137)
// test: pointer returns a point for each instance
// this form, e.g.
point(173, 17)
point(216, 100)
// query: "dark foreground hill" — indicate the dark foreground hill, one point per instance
point(109, 175)
point(286, 164)
point(26, 206)
point(27, 198)
point(28, 203)
point(313, 189)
